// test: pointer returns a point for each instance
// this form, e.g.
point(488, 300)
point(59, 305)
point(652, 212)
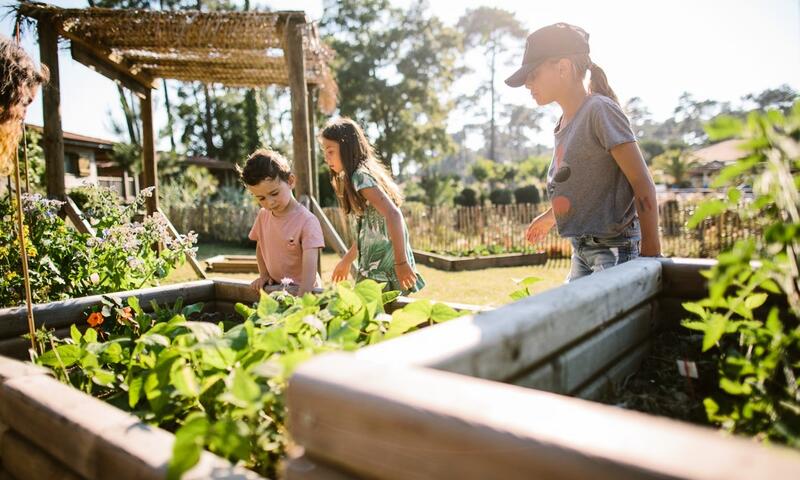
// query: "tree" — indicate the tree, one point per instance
point(637, 113)
point(394, 70)
point(676, 164)
point(515, 140)
point(439, 189)
point(691, 114)
point(781, 98)
point(493, 31)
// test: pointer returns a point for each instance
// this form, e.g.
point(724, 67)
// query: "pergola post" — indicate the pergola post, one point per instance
point(149, 160)
point(312, 128)
point(53, 135)
point(295, 62)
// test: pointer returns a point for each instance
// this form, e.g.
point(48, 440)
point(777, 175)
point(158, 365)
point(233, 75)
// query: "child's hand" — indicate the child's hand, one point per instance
point(341, 271)
point(258, 283)
point(538, 229)
point(405, 275)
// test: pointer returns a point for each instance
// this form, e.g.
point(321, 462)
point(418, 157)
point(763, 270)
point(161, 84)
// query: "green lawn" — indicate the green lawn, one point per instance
point(490, 287)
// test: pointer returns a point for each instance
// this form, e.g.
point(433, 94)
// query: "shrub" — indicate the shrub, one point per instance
point(467, 198)
point(501, 196)
point(527, 194)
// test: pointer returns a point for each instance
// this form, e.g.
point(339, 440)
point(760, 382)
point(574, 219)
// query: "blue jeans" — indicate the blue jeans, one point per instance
point(594, 254)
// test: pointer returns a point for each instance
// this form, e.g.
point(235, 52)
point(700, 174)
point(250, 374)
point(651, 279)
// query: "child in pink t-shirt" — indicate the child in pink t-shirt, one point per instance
point(289, 236)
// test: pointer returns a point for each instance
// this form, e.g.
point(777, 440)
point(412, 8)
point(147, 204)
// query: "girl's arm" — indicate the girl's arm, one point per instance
point(630, 161)
point(310, 257)
point(394, 224)
point(342, 268)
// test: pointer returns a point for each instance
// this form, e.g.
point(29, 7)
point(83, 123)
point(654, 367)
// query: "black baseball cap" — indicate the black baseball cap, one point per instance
point(548, 42)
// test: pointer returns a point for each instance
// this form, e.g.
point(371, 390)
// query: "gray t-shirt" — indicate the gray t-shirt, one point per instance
point(589, 193)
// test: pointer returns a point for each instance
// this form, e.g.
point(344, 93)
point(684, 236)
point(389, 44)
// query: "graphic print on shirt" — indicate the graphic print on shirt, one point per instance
point(561, 204)
point(562, 171)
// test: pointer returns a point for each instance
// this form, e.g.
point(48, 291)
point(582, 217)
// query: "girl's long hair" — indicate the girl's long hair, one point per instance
point(598, 81)
point(356, 152)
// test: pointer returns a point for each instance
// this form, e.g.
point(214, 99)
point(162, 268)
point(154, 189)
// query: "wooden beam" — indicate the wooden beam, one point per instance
point(189, 258)
point(24, 460)
point(312, 128)
point(396, 422)
point(76, 217)
point(107, 68)
point(332, 237)
point(575, 366)
point(13, 321)
point(295, 62)
point(53, 135)
point(505, 343)
point(149, 158)
point(95, 439)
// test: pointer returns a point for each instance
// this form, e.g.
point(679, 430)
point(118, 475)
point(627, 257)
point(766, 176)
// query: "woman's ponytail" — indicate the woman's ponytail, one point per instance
point(599, 83)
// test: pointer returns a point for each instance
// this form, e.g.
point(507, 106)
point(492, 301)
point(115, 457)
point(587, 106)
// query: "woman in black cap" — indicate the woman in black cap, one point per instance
point(598, 183)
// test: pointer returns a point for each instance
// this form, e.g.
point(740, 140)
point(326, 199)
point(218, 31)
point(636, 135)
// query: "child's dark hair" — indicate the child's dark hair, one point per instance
point(264, 163)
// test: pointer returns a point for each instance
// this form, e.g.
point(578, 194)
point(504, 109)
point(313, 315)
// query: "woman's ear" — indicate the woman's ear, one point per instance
point(564, 67)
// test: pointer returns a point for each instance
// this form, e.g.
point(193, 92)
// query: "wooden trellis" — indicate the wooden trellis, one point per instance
point(135, 47)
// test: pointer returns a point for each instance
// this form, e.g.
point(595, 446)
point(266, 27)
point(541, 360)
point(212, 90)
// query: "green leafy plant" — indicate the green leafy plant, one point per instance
point(220, 386)
point(524, 290)
point(57, 255)
point(749, 320)
point(64, 263)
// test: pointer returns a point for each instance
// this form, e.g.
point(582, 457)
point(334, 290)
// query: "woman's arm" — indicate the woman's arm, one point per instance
point(394, 224)
point(631, 162)
point(310, 257)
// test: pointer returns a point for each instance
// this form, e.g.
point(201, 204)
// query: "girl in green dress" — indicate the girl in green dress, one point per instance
point(365, 189)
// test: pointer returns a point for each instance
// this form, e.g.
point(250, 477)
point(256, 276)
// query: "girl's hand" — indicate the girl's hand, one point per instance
point(341, 271)
point(538, 229)
point(258, 283)
point(405, 275)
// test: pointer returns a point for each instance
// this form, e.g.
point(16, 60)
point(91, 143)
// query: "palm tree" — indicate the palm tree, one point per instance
point(676, 164)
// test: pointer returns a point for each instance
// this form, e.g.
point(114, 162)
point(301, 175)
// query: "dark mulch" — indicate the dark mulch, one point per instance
point(659, 389)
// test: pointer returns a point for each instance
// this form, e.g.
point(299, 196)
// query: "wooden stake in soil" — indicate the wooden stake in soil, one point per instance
point(23, 252)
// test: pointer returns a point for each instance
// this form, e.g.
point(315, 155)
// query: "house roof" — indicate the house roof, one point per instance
point(209, 163)
point(727, 151)
point(79, 140)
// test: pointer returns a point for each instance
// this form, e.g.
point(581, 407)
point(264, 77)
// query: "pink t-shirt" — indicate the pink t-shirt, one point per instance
point(283, 239)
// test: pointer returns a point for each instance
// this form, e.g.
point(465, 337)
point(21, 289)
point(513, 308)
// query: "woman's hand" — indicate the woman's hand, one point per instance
point(341, 271)
point(540, 227)
point(406, 275)
point(650, 249)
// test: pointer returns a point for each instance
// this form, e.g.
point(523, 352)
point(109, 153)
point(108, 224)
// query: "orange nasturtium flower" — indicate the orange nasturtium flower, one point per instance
point(95, 319)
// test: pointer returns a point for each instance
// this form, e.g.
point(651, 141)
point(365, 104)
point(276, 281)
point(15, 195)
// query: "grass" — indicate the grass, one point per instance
point(489, 287)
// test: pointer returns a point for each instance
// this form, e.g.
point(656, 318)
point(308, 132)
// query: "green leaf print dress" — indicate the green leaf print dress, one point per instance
point(375, 253)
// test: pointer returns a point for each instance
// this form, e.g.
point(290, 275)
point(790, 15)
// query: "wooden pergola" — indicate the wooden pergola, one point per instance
point(136, 47)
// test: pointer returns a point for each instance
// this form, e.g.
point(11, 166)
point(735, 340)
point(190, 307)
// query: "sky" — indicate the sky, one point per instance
point(714, 49)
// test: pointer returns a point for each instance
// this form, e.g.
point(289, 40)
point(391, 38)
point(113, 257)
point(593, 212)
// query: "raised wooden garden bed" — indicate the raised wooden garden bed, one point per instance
point(232, 264)
point(456, 264)
point(493, 395)
point(51, 430)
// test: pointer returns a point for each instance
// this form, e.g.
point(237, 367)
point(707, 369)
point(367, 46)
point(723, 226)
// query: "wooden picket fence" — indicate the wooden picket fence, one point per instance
point(486, 229)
